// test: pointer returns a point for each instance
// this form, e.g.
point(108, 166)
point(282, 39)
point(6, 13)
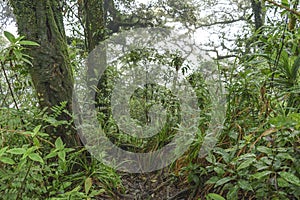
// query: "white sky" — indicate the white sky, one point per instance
point(201, 36)
point(12, 28)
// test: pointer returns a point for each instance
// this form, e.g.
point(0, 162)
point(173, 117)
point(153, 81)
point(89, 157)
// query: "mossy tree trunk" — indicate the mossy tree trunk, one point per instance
point(42, 22)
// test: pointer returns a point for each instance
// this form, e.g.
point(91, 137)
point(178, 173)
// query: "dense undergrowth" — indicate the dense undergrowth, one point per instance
point(257, 155)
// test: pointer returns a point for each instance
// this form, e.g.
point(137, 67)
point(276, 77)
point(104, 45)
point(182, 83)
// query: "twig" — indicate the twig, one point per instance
point(221, 22)
point(180, 193)
point(295, 12)
point(160, 186)
point(11, 91)
point(23, 182)
point(9, 86)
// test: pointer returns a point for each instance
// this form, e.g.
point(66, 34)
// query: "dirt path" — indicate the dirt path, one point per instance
point(159, 185)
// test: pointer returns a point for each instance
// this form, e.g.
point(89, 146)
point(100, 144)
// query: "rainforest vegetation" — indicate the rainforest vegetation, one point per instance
point(251, 46)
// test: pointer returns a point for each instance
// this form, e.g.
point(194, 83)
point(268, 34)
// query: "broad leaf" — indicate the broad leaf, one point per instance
point(36, 157)
point(36, 130)
point(59, 143)
point(245, 185)
point(51, 155)
point(246, 163)
point(260, 175)
point(223, 181)
point(87, 185)
point(285, 3)
point(62, 155)
point(214, 196)
point(7, 160)
point(29, 43)
point(17, 151)
point(291, 178)
point(10, 37)
point(2, 151)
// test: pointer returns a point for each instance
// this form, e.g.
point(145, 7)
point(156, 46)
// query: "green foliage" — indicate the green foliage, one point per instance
point(214, 196)
point(16, 47)
point(37, 168)
point(257, 156)
point(15, 81)
point(258, 153)
point(143, 99)
point(32, 166)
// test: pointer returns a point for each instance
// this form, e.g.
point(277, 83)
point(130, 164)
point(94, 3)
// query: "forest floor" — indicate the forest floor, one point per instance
point(158, 185)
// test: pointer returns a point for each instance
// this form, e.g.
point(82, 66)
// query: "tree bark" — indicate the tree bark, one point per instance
point(95, 30)
point(94, 22)
point(259, 13)
point(42, 22)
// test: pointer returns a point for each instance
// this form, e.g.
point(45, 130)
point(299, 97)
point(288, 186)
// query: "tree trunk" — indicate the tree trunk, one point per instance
point(259, 13)
point(95, 30)
point(94, 23)
point(42, 22)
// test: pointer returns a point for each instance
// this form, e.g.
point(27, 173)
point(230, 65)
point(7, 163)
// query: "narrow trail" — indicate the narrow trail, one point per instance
point(158, 185)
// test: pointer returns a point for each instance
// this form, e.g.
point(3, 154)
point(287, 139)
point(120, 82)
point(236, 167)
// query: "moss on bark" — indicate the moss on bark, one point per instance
point(42, 22)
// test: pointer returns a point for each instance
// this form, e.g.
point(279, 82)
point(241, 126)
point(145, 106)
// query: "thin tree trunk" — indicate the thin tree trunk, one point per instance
point(95, 30)
point(259, 13)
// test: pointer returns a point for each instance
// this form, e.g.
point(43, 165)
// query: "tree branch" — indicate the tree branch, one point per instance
point(221, 22)
point(295, 12)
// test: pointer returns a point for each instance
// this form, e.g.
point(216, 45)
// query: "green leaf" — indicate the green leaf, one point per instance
point(75, 190)
point(246, 163)
point(51, 155)
point(29, 43)
point(36, 130)
point(212, 180)
point(2, 151)
point(245, 185)
point(219, 171)
point(36, 142)
point(18, 54)
point(10, 37)
point(21, 164)
point(224, 154)
point(27, 61)
point(20, 38)
point(247, 156)
point(7, 160)
point(223, 181)
point(211, 158)
point(295, 68)
point(87, 185)
point(263, 149)
point(214, 196)
point(67, 184)
point(96, 192)
point(285, 3)
point(282, 183)
point(286, 156)
point(17, 151)
point(62, 155)
point(233, 193)
point(289, 177)
point(36, 157)
point(196, 179)
point(29, 151)
point(67, 150)
point(260, 175)
point(59, 143)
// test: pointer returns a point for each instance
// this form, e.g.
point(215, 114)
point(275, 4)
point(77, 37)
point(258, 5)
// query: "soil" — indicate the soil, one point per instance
point(159, 185)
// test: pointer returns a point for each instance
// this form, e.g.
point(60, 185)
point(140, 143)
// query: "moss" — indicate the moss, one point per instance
point(41, 21)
